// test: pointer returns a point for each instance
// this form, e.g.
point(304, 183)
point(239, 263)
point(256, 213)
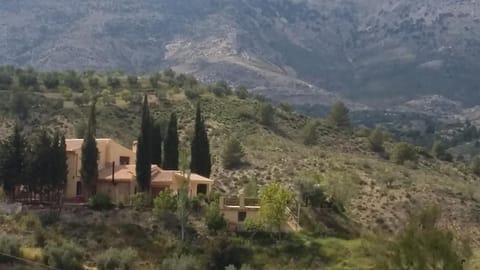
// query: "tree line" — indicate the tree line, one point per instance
point(33, 170)
point(149, 147)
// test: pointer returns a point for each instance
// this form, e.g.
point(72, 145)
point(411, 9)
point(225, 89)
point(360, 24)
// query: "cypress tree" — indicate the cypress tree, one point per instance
point(170, 160)
point(144, 150)
point(200, 162)
point(12, 162)
point(157, 140)
point(89, 170)
point(60, 165)
point(42, 164)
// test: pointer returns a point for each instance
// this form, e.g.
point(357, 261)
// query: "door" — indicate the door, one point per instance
point(79, 188)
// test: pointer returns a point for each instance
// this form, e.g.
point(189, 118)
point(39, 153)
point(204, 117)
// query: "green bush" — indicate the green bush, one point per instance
point(184, 262)
point(117, 259)
point(214, 218)
point(100, 202)
point(63, 256)
point(140, 201)
point(232, 154)
point(49, 217)
point(9, 246)
point(222, 252)
point(164, 201)
point(192, 94)
point(375, 141)
point(404, 152)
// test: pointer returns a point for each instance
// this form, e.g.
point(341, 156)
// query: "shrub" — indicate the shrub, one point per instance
point(223, 252)
point(164, 201)
point(310, 134)
point(422, 243)
point(375, 141)
point(267, 114)
point(100, 202)
point(241, 92)
point(39, 237)
point(10, 246)
point(140, 201)
point(214, 218)
point(191, 94)
point(49, 217)
point(63, 256)
point(403, 152)
point(117, 259)
point(184, 262)
point(232, 154)
point(339, 115)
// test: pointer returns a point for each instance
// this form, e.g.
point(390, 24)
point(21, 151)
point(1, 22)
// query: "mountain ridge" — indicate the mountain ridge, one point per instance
point(299, 51)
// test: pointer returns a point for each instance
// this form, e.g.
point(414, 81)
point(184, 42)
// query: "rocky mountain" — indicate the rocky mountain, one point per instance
point(377, 52)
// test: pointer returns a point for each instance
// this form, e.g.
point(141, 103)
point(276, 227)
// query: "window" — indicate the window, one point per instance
point(124, 160)
point(242, 216)
point(202, 189)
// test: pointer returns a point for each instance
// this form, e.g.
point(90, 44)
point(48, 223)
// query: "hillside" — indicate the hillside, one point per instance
point(375, 52)
point(378, 193)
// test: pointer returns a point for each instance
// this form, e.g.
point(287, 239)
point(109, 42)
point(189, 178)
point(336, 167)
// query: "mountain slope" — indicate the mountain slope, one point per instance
point(374, 51)
point(377, 194)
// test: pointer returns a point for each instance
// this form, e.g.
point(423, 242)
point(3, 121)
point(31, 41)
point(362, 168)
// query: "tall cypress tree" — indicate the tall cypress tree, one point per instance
point(170, 160)
point(12, 162)
point(144, 150)
point(200, 148)
point(60, 162)
point(157, 140)
point(89, 170)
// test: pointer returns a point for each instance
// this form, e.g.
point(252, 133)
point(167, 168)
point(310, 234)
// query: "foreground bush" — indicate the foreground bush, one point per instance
point(404, 152)
point(164, 202)
point(214, 218)
point(63, 256)
point(10, 246)
point(100, 202)
point(140, 201)
point(423, 245)
point(117, 259)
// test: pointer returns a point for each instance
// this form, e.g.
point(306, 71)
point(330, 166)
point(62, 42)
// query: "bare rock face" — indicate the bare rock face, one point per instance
point(291, 50)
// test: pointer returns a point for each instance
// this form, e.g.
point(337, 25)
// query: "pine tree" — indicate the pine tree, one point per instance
point(375, 141)
point(170, 145)
point(311, 134)
point(338, 116)
point(200, 148)
point(267, 114)
point(232, 154)
point(157, 139)
point(12, 162)
point(144, 150)
point(89, 170)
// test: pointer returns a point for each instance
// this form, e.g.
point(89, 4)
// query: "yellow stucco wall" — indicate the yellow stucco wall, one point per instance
point(231, 215)
point(120, 192)
point(71, 186)
point(192, 187)
point(108, 151)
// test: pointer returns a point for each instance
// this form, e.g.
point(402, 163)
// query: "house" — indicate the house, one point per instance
point(238, 209)
point(109, 152)
point(117, 175)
